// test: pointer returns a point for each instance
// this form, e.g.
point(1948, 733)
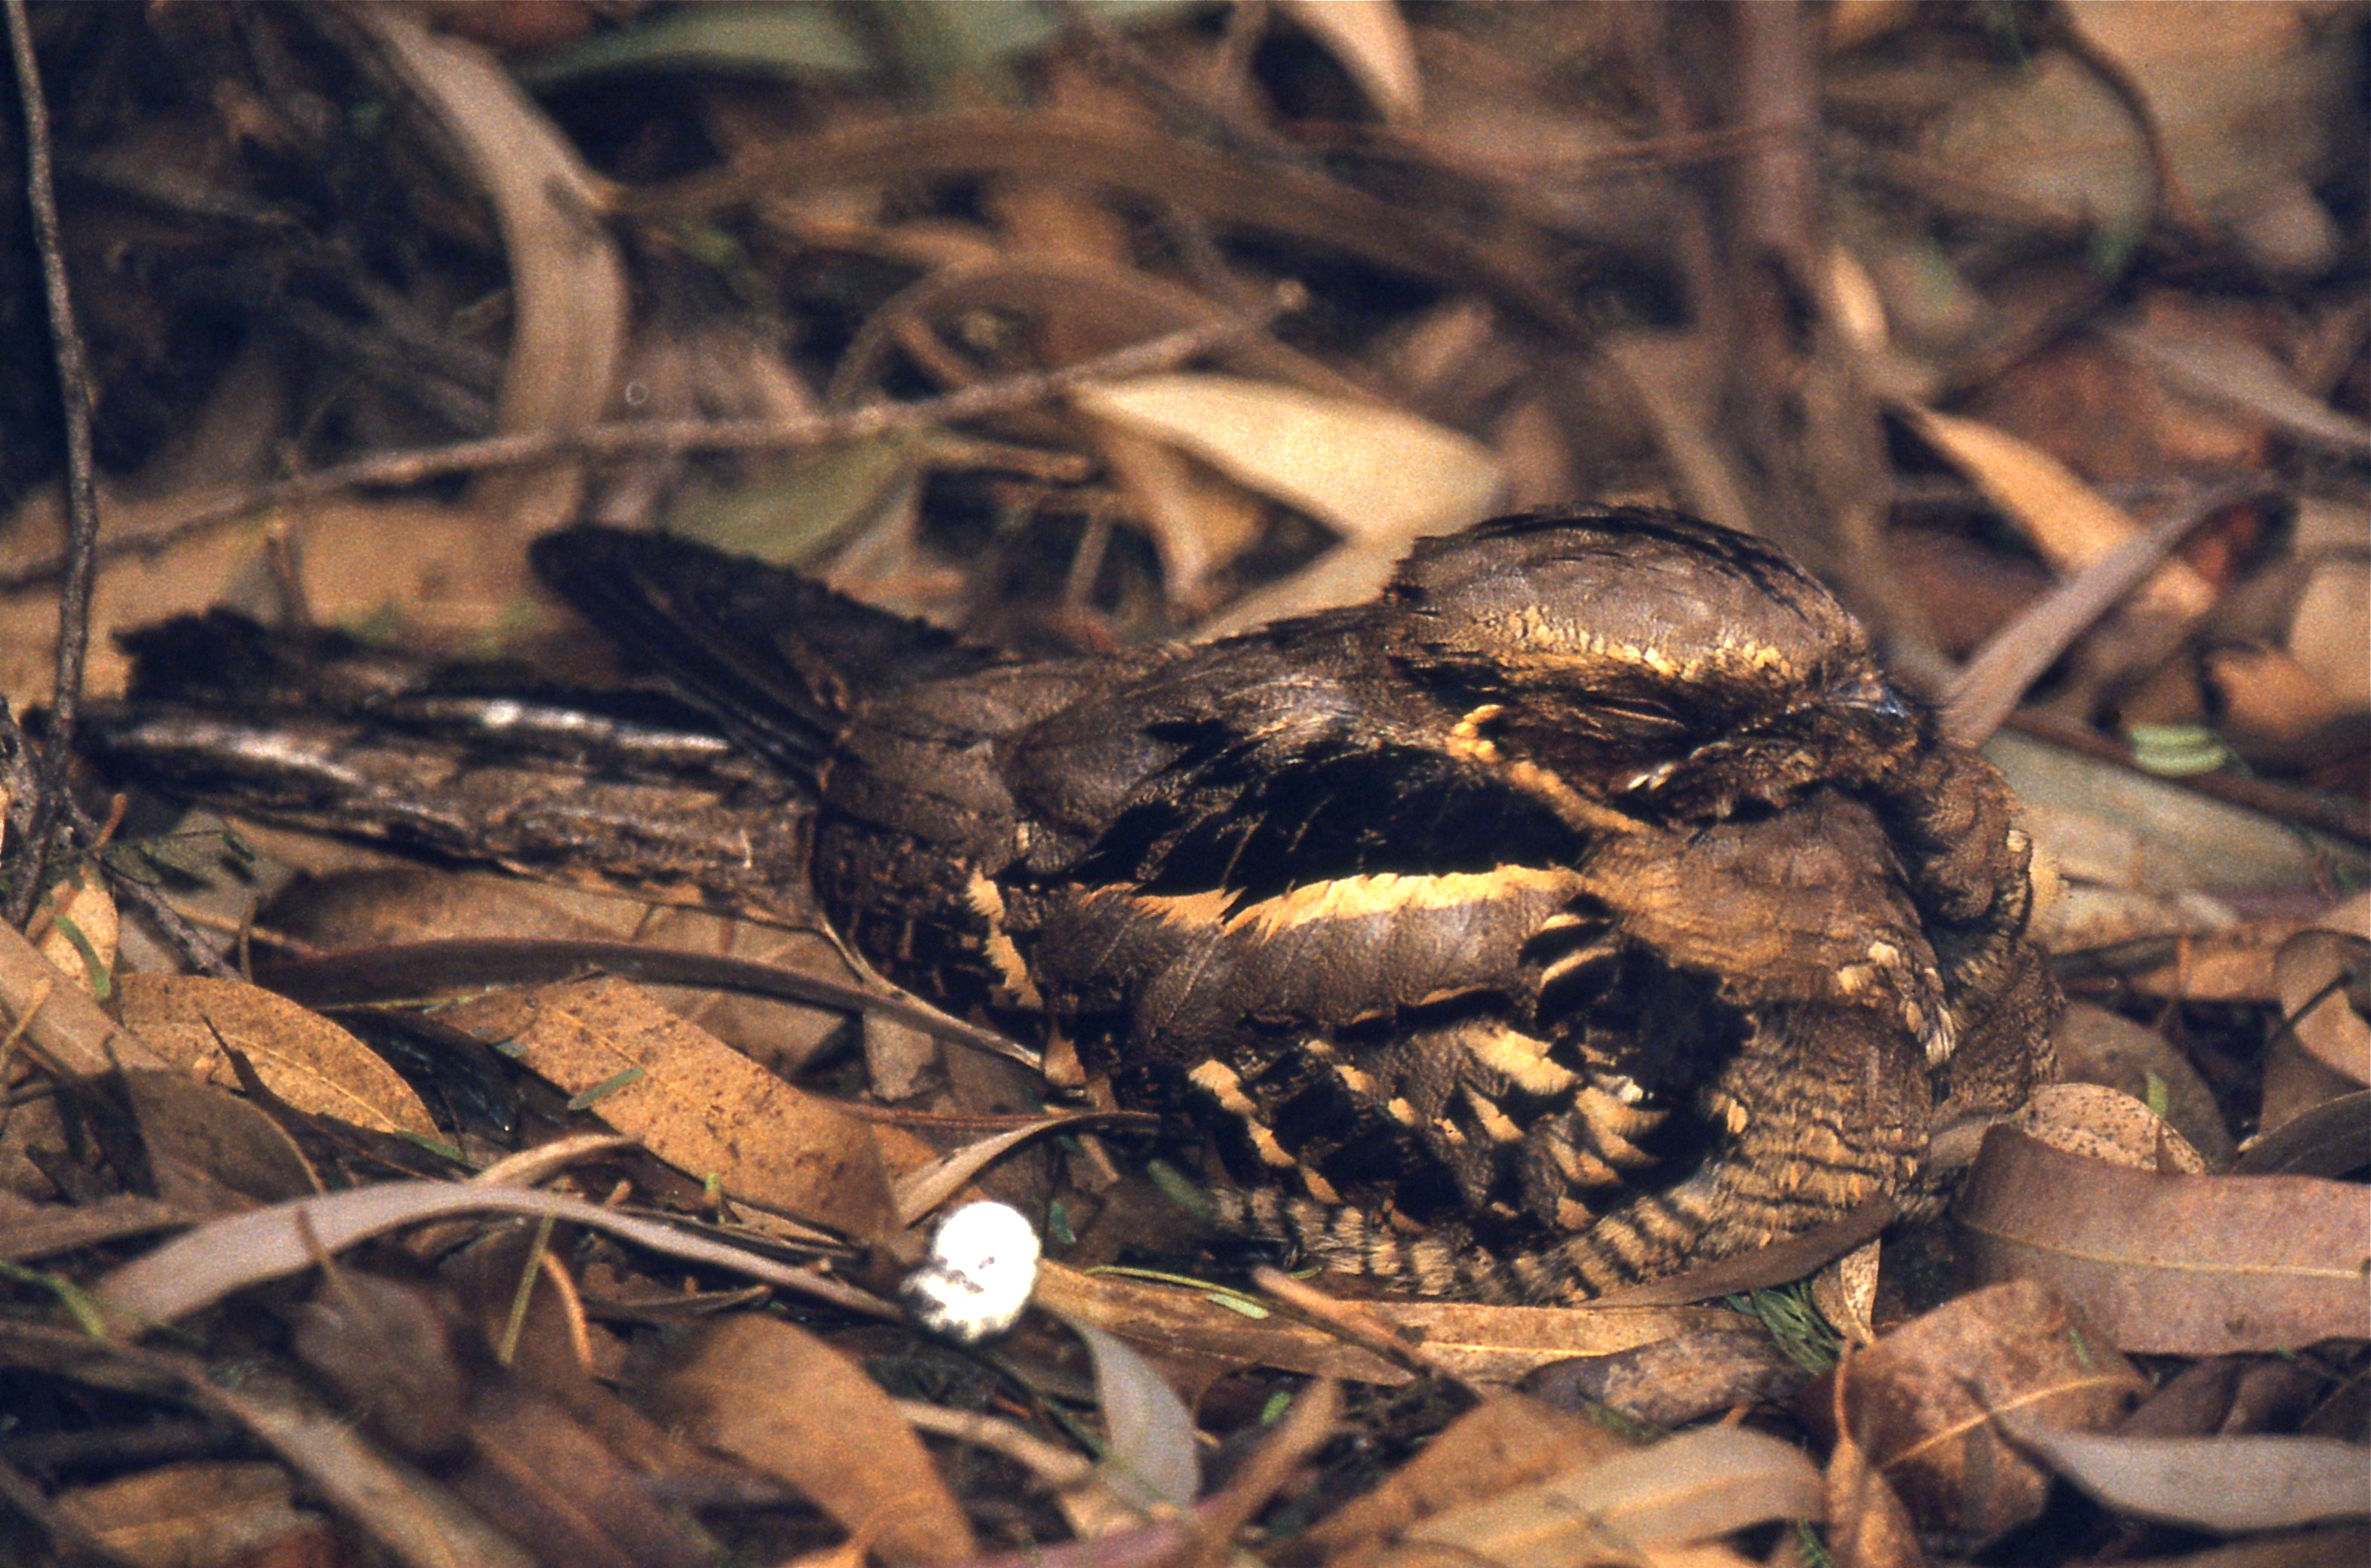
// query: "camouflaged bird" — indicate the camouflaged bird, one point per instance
point(1585, 907)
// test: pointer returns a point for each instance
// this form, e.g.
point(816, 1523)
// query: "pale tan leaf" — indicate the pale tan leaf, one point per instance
point(2173, 1264)
point(2068, 521)
point(1505, 1442)
point(1374, 473)
point(1688, 1487)
point(210, 1262)
point(82, 901)
point(194, 1513)
point(2099, 1123)
point(2229, 1483)
point(1182, 1320)
point(2235, 373)
point(779, 1399)
point(301, 1056)
point(1150, 1459)
point(1370, 38)
point(1500, 1344)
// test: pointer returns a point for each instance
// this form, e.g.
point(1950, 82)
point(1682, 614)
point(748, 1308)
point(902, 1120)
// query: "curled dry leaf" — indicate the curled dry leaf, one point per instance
point(301, 1056)
point(2331, 1139)
point(1370, 38)
point(568, 285)
point(1689, 1488)
point(1506, 1441)
point(1868, 1527)
point(693, 1101)
point(1917, 1402)
point(2318, 972)
point(2174, 1265)
point(2094, 1045)
point(2099, 1122)
point(779, 1399)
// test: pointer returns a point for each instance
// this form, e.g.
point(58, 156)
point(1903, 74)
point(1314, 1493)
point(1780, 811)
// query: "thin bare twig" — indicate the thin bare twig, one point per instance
point(620, 437)
point(80, 563)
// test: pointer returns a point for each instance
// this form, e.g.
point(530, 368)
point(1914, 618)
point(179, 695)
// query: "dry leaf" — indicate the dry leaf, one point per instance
point(1370, 38)
point(1868, 1524)
point(2316, 974)
point(1506, 1441)
point(2099, 1122)
point(1375, 474)
point(1670, 1382)
point(2094, 1045)
point(2211, 1483)
point(2071, 523)
point(2172, 1265)
point(82, 922)
point(1688, 1487)
point(199, 1512)
point(1149, 1461)
point(210, 1262)
point(1500, 1344)
point(301, 1056)
point(693, 1101)
point(779, 1399)
point(567, 282)
point(1917, 1402)
point(1170, 1319)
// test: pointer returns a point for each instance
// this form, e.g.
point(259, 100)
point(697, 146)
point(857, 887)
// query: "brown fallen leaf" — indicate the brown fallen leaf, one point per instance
point(2104, 1124)
point(1508, 1440)
point(1868, 1524)
point(199, 1511)
point(1176, 1319)
point(301, 1056)
point(779, 1399)
point(1919, 1403)
point(1689, 1488)
point(1670, 1382)
point(2174, 1265)
point(693, 1101)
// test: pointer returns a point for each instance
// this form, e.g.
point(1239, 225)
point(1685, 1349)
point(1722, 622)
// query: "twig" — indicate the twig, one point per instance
point(621, 437)
point(80, 563)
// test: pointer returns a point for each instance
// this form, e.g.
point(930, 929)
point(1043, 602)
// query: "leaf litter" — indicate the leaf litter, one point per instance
point(657, 1327)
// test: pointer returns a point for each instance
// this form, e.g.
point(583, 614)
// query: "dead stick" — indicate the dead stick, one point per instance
point(80, 563)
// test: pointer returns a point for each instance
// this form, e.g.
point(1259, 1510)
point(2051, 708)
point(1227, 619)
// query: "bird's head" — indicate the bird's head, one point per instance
point(1663, 663)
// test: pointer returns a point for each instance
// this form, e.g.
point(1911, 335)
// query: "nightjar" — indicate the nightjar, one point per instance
point(1585, 907)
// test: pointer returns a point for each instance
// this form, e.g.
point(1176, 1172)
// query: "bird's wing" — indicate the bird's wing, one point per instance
point(776, 659)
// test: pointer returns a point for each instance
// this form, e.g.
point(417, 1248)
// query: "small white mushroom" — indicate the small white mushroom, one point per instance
point(981, 1268)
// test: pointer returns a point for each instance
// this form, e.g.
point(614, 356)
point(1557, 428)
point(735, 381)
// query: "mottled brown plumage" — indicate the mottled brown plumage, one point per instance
point(1587, 906)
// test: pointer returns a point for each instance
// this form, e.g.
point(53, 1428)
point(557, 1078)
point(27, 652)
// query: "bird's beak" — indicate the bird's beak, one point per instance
point(1873, 697)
